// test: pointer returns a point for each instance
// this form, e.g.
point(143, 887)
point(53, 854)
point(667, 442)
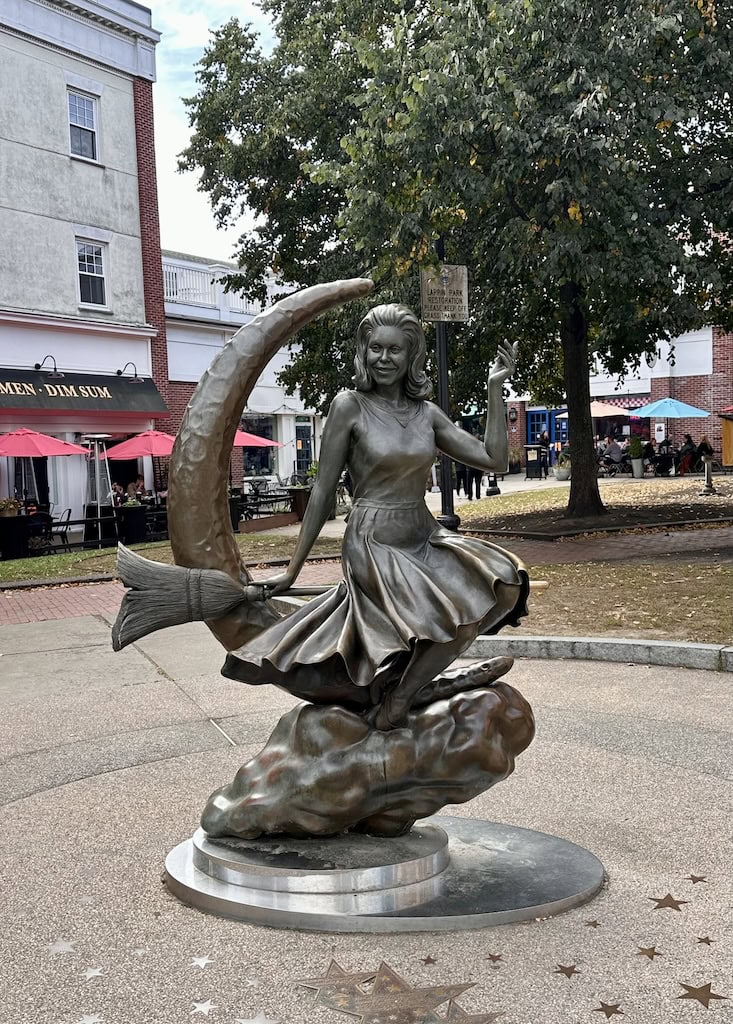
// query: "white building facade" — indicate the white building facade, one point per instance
point(76, 80)
point(200, 319)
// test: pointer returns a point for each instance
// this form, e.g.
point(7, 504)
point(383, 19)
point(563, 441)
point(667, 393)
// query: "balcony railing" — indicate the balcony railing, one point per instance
point(238, 304)
point(190, 286)
point(184, 284)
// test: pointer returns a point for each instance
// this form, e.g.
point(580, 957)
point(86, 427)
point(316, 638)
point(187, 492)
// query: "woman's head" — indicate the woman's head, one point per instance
point(688, 438)
point(415, 383)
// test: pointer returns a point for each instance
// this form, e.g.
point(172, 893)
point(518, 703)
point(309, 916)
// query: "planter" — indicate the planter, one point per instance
point(6, 513)
point(637, 468)
point(300, 496)
point(562, 472)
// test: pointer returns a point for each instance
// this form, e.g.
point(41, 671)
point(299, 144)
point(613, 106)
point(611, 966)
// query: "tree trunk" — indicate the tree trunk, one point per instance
point(585, 499)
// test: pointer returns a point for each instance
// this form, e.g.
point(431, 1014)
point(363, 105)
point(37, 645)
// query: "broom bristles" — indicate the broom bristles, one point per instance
point(168, 595)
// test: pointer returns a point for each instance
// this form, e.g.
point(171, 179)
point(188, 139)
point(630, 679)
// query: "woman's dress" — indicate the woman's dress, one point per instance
point(408, 582)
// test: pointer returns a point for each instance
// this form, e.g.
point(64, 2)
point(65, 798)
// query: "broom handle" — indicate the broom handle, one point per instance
point(314, 591)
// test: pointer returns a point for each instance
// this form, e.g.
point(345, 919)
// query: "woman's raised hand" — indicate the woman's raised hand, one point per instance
point(505, 363)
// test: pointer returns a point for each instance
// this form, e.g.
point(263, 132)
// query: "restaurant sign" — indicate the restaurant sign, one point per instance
point(80, 392)
point(444, 293)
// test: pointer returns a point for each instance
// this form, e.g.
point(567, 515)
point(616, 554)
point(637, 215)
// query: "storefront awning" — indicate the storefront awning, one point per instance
point(39, 392)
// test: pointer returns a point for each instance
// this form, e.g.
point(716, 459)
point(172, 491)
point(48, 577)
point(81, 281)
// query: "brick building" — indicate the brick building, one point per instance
point(696, 368)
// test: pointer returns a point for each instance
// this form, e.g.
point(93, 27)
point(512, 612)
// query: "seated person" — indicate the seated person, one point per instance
point(686, 455)
point(613, 450)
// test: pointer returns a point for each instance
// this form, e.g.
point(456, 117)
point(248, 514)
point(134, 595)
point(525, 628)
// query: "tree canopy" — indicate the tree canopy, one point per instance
point(576, 156)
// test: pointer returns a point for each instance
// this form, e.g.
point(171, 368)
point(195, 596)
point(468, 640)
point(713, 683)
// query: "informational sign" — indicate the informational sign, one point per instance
point(444, 293)
point(660, 432)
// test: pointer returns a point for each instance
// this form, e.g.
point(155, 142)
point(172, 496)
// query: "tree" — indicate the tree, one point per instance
point(576, 156)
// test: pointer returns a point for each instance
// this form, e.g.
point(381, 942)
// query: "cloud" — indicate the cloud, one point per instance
point(186, 221)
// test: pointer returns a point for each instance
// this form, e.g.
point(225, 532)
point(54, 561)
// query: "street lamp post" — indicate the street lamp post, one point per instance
point(444, 298)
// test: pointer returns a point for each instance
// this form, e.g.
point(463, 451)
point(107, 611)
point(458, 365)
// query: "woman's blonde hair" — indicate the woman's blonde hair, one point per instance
point(416, 384)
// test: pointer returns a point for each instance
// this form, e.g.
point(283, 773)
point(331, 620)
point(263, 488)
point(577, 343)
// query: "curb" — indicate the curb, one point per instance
point(680, 526)
point(708, 657)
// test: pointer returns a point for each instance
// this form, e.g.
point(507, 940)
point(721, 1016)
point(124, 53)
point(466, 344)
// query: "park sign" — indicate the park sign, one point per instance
point(444, 293)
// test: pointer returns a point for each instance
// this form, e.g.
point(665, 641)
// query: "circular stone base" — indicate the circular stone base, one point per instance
point(497, 874)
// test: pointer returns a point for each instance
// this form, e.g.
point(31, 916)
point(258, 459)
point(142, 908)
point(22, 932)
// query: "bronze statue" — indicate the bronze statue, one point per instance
point(375, 650)
point(414, 595)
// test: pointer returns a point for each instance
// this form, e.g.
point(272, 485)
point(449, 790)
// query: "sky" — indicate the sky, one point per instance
point(186, 221)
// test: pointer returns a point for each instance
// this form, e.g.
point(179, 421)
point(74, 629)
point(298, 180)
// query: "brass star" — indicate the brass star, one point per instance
point(567, 971)
point(696, 878)
point(494, 957)
point(705, 940)
point(667, 901)
point(593, 924)
point(651, 952)
point(702, 994)
point(338, 989)
point(428, 960)
point(610, 1009)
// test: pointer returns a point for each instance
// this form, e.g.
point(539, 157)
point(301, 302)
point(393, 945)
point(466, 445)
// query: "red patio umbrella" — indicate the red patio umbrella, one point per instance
point(150, 442)
point(30, 444)
point(244, 440)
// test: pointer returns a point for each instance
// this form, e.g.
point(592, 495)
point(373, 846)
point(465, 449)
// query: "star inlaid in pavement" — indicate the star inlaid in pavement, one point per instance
point(428, 960)
point(705, 941)
point(494, 957)
point(337, 988)
point(93, 972)
point(90, 1018)
point(701, 993)
point(201, 961)
point(568, 971)
point(391, 999)
point(649, 951)
point(61, 946)
point(696, 878)
point(593, 924)
point(610, 1009)
point(667, 901)
point(204, 1008)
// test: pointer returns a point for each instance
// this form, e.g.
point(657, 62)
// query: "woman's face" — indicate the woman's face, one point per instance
point(387, 355)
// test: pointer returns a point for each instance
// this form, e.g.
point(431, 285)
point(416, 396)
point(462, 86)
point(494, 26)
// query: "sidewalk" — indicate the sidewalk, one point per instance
point(107, 760)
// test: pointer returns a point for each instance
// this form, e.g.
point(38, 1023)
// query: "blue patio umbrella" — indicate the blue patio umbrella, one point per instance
point(669, 408)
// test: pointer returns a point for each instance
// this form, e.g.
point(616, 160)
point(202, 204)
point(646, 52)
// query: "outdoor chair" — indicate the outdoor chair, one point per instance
point(60, 529)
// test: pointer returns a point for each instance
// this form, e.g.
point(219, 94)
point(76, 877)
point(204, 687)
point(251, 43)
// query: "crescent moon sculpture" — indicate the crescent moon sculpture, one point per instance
point(198, 519)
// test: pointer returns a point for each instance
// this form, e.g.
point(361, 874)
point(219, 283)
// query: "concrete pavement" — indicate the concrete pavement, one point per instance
point(108, 758)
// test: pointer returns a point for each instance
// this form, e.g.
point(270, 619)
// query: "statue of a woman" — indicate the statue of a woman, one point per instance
point(414, 595)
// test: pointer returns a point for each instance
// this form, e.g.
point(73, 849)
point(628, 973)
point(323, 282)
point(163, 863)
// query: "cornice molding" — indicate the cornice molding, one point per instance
point(18, 318)
point(107, 34)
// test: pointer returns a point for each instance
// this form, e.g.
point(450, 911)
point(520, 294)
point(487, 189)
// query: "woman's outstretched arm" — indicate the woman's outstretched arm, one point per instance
point(493, 454)
point(332, 459)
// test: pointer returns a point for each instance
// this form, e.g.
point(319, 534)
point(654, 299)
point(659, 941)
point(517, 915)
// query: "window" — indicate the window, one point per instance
point(91, 273)
point(83, 125)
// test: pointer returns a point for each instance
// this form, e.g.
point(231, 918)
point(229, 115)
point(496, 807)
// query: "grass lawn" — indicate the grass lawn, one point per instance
point(630, 504)
point(656, 600)
point(254, 548)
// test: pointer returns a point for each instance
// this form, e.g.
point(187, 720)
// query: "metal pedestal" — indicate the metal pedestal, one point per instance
point(447, 874)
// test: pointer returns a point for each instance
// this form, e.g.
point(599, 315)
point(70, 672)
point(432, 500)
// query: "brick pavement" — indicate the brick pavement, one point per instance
point(68, 601)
